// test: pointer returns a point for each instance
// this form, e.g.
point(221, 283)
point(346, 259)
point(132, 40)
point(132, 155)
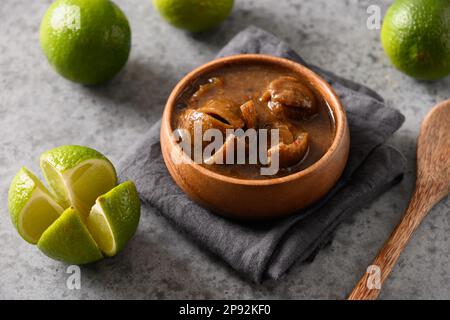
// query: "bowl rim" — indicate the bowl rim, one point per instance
point(315, 80)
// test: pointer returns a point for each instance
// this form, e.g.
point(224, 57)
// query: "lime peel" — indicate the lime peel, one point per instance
point(114, 218)
point(69, 240)
point(416, 37)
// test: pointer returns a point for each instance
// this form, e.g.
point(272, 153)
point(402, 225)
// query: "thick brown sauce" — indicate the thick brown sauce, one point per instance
point(242, 83)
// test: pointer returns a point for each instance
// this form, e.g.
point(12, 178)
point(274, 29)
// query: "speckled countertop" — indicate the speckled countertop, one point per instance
point(40, 110)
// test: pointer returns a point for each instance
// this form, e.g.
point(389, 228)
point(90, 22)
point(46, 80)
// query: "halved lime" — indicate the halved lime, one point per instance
point(78, 175)
point(68, 240)
point(114, 218)
point(31, 206)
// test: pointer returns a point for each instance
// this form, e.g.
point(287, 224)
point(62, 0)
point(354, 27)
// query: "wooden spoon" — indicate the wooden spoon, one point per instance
point(432, 185)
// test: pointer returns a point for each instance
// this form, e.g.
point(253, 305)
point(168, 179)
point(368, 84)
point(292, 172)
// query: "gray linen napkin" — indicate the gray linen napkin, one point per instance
point(269, 249)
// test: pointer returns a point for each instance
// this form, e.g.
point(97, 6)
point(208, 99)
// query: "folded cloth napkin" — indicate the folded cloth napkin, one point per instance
point(267, 250)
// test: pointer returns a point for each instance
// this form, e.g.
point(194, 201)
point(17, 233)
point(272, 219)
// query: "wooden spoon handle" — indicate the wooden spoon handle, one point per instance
point(369, 286)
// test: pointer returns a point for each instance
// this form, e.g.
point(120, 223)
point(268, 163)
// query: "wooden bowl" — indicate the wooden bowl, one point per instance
point(258, 199)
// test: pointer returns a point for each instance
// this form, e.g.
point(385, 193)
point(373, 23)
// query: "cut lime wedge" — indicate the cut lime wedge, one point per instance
point(85, 214)
point(68, 240)
point(31, 206)
point(78, 175)
point(114, 218)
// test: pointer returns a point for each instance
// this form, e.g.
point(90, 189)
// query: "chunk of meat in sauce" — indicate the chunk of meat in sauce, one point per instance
point(213, 84)
point(220, 156)
point(290, 154)
point(224, 111)
point(287, 96)
point(285, 131)
point(249, 115)
point(215, 114)
point(192, 119)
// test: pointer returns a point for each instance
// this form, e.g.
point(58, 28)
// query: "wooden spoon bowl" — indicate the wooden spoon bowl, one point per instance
point(258, 199)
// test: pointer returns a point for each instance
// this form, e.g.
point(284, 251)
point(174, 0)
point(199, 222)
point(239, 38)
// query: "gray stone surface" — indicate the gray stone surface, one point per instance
point(40, 110)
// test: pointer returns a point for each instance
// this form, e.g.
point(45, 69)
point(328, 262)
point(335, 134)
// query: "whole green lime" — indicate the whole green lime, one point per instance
point(86, 41)
point(416, 37)
point(194, 15)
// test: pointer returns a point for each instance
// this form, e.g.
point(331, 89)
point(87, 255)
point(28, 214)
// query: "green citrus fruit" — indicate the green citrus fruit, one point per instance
point(86, 41)
point(31, 206)
point(78, 175)
point(99, 215)
point(194, 15)
point(68, 240)
point(416, 37)
point(114, 218)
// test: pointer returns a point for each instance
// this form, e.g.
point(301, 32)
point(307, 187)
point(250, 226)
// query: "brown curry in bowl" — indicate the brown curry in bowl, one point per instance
point(259, 96)
point(309, 136)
